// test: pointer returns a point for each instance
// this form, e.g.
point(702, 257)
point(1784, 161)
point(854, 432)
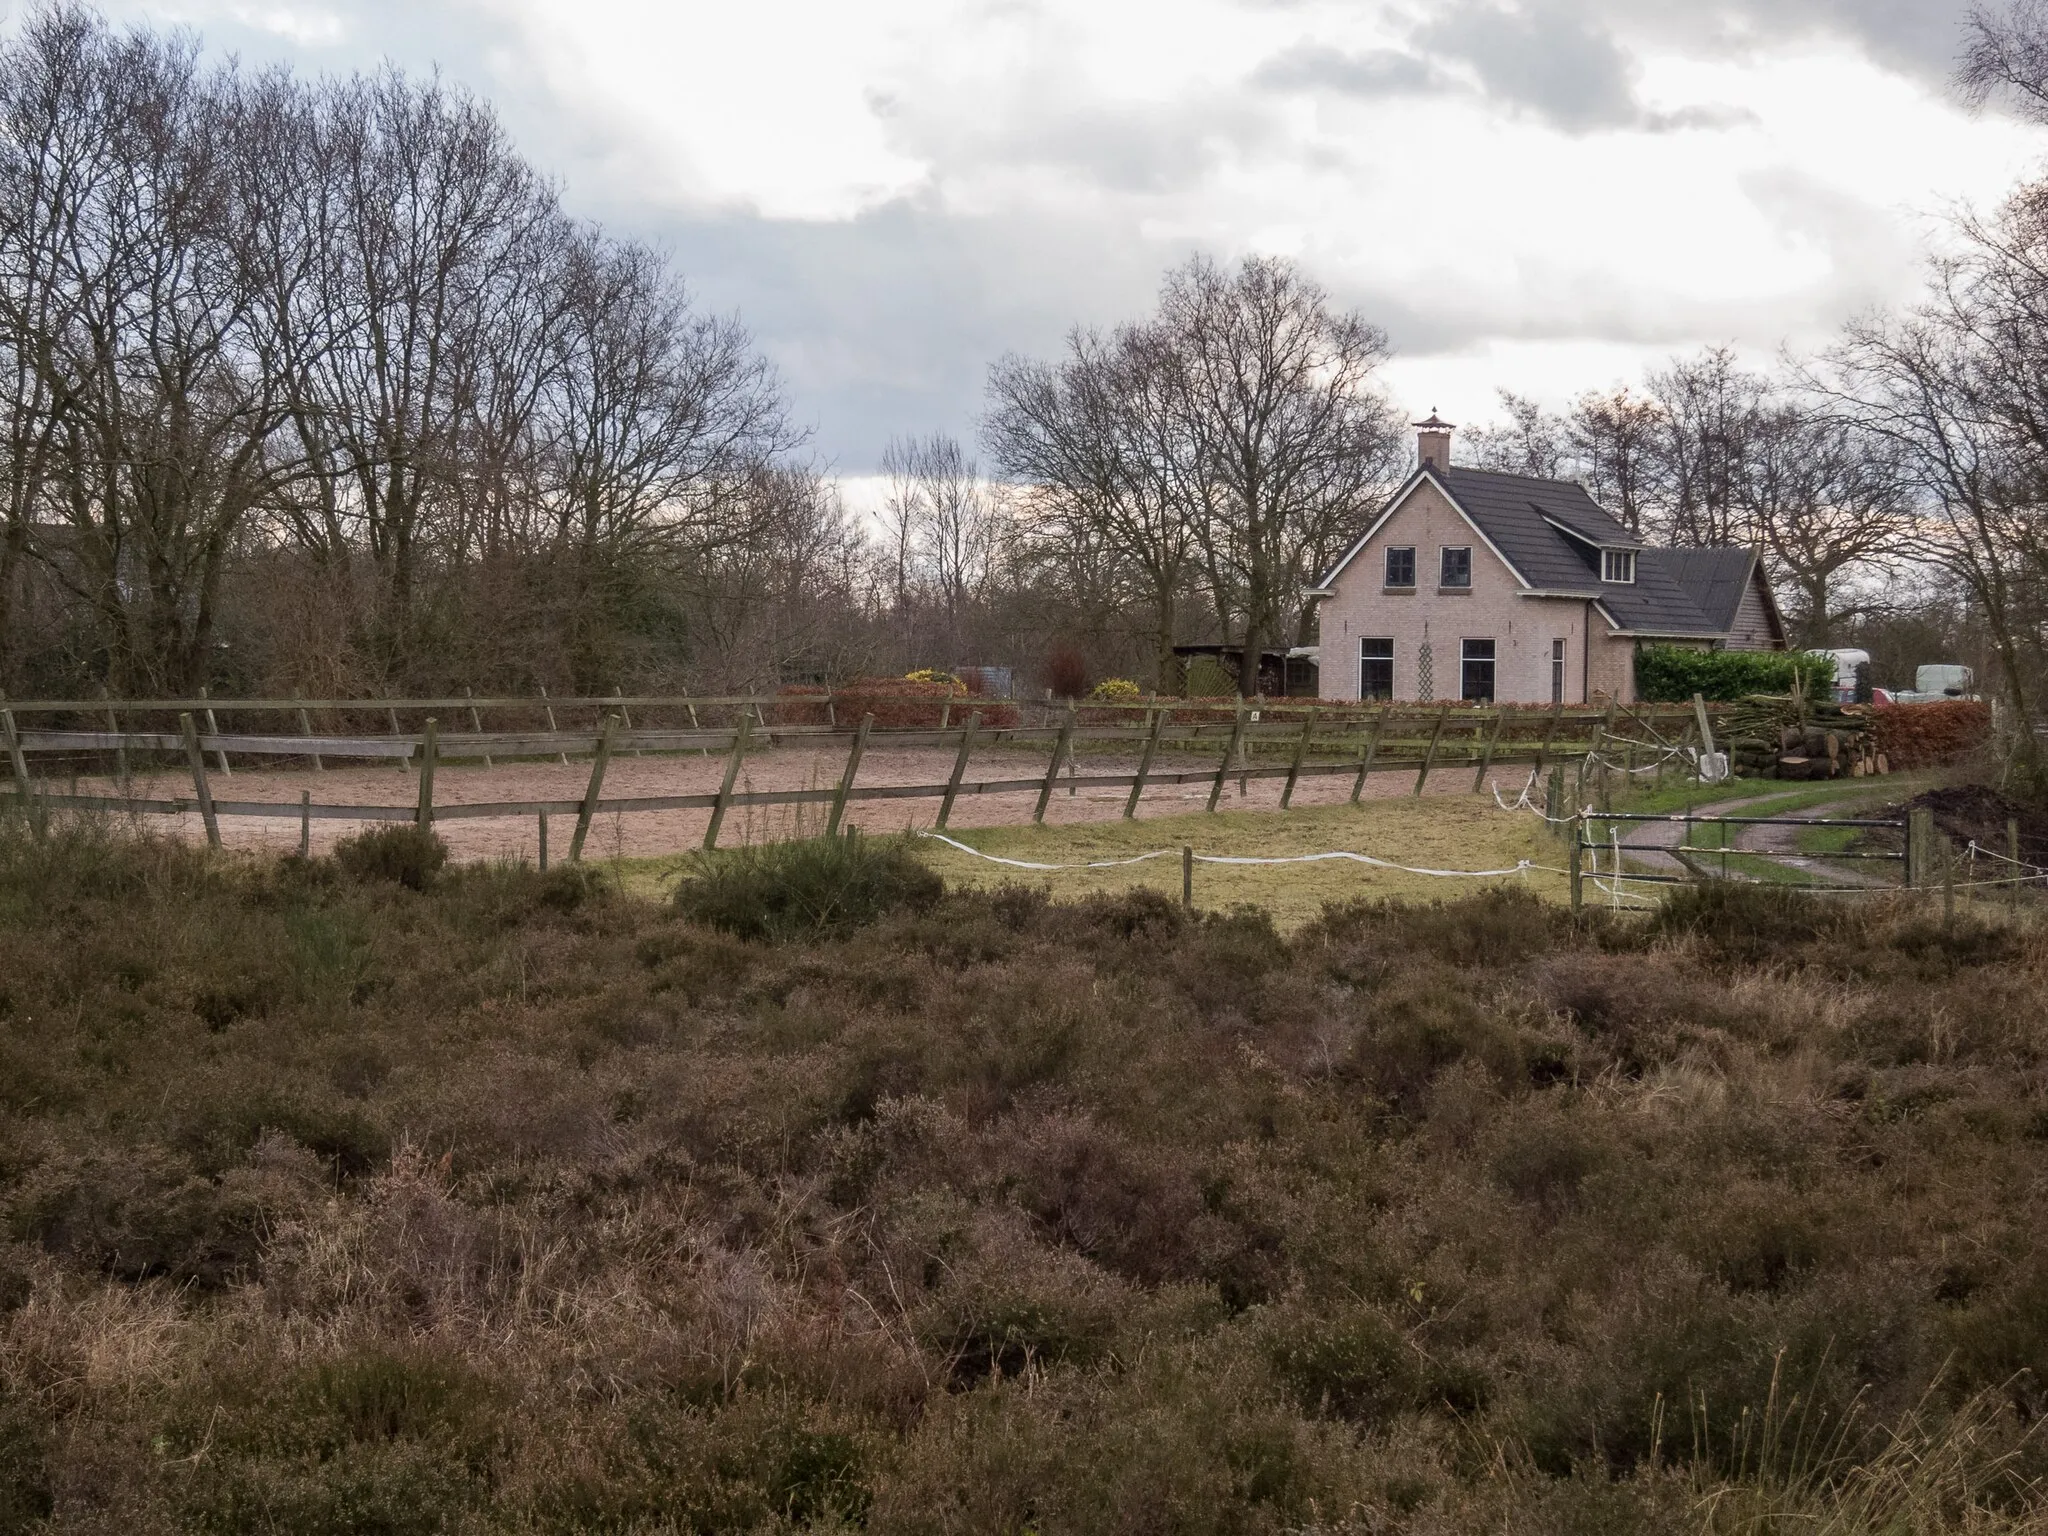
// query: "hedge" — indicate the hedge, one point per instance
point(1672, 674)
point(1925, 735)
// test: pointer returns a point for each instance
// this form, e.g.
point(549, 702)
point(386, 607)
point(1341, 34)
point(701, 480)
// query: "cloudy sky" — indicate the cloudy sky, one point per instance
point(1544, 195)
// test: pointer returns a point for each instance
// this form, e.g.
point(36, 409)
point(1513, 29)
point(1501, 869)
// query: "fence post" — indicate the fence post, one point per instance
point(1578, 854)
point(1372, 750)
point(860, 744)
point(1500, 721)
point(1187, 877)
point(1300, 751)
point(626, 716)
point(732, 773)
point(695, 726)
point(1429, 757)
point(1553, 799)
point(1229, 752)
point(548, 709)
point(1549, 734)
point(120, 745)
point(430, 752)
point(15, 756)
point(1920, 844)
point(1145, 762)
point(967, 735)
point(1052, 769)
point(588, 810)
point(305, 823)
point(543, 841)
point(1948, 883)
point(197, 760)
point(306, 729)
point(476, 721)
point(213, 729)
point(391, 714)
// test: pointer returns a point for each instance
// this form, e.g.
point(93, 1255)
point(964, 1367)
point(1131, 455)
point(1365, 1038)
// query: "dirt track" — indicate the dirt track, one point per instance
point(659, 832)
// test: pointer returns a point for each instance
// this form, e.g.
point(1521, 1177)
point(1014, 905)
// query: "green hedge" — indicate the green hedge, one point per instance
point(1674, 673)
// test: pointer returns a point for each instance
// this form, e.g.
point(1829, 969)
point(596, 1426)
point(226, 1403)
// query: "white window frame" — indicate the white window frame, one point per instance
point(1558, 653)
point(1618, 566)
point(1442, 561)
point(1387, 563)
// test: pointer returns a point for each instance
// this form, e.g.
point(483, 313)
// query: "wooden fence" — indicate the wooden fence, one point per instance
point(1301, 741)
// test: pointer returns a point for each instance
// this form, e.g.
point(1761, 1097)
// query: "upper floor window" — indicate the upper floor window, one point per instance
point(1401, 565)
point(1457, 571)
point(1617, 565)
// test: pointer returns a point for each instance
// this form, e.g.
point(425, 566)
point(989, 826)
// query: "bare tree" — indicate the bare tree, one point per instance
point(1096, 440)
point(2005, 58)
point(1530, 442)
point(1288, 440)
point(1614, 443)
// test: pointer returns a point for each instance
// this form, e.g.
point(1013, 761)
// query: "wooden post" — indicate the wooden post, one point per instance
point(967, 735)
point(625, 716)
point(213, 729)
point(1549, 734)
point(197, 760)
point(306, 729)
point(732, 774)
point(1145, 762)
point(701, 751)
point(16, 758)
point(543, 842)
point(860, 745)
point(1052, 769)
point(430, 753)
point(548, 709)
point(1500, 721)
point(1429, 757)
point(1706, 730)
point(1187, 877)
point(1578, 855)
point(1372, 750)
point(120, 746)
point(1553, 794)
point(476, 721)
point(305, 823)
point(1919, 846)
point(586, 812)
point(1300, 752)
point(1229, 752)
point(392, 714)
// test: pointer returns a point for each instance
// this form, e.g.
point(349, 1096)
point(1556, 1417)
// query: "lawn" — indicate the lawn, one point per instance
point(1434, 833)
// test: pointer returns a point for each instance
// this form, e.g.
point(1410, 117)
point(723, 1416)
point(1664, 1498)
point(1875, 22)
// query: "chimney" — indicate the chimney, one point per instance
point(1433, 442)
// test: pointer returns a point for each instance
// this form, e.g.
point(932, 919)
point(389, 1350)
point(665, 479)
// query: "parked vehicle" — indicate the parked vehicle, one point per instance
point(1936, 681)
point(1846, 664)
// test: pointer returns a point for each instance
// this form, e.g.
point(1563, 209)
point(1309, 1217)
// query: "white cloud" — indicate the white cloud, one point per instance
point(1542, 194)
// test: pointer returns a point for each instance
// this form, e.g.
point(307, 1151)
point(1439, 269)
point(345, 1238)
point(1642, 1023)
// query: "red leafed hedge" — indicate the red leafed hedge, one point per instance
point(1922, 735)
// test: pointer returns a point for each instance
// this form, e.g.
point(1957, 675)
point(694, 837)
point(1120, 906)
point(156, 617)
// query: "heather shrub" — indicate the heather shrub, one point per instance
point(398, 851)
point(504, 1206)
point(805, 888)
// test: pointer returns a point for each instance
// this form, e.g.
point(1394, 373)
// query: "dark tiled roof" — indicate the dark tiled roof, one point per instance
point(1518, 514)
point(1713, 578)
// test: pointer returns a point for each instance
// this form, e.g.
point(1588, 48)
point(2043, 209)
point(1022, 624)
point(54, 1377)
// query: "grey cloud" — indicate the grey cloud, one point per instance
point(1549, 60)
point(1381, 72)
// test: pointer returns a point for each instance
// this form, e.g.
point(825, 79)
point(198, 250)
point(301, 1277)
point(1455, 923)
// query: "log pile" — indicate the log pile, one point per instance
point(1772, 737)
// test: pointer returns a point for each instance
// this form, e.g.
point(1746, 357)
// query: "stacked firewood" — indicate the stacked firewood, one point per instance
point(1773, 737)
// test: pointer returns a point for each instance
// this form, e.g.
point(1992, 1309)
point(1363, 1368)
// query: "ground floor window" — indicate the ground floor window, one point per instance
point(1376, 668)
point(1557, 671)
point(1478, 671)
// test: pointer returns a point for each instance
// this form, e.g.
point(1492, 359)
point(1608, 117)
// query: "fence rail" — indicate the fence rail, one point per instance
point(1315, 741)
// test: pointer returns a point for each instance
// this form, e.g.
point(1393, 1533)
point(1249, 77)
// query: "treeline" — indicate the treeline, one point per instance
point(317, 384)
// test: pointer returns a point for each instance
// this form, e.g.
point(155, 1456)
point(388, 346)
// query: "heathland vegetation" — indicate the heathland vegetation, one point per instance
point(373, 1194)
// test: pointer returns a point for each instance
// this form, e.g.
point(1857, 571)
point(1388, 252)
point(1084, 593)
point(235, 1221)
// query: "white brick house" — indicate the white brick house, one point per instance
point(1476, 585)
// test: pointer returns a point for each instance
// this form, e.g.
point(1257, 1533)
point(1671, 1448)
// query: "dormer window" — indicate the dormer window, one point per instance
point(1618, 565)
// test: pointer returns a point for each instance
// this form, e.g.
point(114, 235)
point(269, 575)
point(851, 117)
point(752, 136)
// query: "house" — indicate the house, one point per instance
point(1472, 584)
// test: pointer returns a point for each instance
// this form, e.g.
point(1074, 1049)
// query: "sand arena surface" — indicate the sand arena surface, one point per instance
point(646, 833)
